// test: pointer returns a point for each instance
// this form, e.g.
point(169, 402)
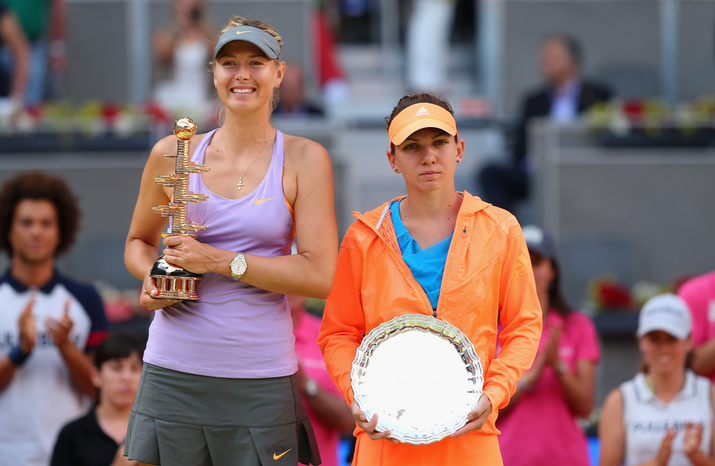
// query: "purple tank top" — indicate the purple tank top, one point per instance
point(235, 330)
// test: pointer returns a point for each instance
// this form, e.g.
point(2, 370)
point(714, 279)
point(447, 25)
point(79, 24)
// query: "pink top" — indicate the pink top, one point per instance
point(235, 330)
point(699, 294)
point(540, 429)
point(311, 363)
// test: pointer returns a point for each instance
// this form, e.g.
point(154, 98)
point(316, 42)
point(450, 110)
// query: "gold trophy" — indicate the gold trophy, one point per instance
point(174, 282)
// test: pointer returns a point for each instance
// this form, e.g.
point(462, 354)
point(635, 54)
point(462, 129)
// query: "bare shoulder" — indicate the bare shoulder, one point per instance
point(614, 400)
point(300, 150)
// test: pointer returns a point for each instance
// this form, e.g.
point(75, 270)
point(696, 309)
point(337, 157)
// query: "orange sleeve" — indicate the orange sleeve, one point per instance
point(520, 316)
point(343, 325)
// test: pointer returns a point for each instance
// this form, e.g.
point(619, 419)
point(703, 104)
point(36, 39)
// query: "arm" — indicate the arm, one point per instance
point(520, 315)
point(12, 35)
point(611, 430)
point(331, 409)
point(308, 184)
point(704, 358)
point(578, 387)
point(692, 437)
point(343, 325)
point(28, 335)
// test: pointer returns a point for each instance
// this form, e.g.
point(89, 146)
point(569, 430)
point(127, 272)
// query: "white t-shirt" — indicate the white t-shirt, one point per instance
point(41, 397)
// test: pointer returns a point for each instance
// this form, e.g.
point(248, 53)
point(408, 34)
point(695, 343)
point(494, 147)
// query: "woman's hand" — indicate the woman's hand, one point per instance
point(186, 252)
point(477, 418)
point(666, 448)
point(369, 427)
point(692, 437)
point(149, 289)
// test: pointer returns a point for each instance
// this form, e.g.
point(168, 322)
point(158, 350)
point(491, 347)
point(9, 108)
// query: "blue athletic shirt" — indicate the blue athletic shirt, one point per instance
point(427, 266)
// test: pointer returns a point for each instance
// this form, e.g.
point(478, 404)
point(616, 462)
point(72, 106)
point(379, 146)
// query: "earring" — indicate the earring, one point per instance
point(397, 170)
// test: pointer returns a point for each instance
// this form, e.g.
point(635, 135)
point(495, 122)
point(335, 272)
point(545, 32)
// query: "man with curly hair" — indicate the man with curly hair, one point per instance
point(48, 322)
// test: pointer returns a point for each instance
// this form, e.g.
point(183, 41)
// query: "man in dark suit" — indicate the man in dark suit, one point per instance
point(562, 98)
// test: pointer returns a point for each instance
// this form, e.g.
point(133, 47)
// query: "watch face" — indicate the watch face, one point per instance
point(238, 265)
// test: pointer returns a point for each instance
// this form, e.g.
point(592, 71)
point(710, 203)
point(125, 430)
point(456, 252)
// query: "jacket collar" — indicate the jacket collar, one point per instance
point(375, 218)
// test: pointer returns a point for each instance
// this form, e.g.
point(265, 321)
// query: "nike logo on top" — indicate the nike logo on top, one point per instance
point(422, 111)
point(277, 457)
point(261, 201)
point(241, 32)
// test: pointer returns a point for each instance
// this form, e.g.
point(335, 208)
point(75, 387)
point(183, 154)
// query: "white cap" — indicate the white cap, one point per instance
point(666, 312)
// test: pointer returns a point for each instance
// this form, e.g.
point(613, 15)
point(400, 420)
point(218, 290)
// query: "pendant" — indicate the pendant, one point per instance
point(240, 183)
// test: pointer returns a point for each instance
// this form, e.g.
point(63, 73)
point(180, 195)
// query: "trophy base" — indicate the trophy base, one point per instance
point(174, 282)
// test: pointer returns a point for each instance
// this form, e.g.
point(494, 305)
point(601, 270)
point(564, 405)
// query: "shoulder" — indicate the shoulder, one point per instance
point(496, 217)
point(697, 285)
point(302, 149)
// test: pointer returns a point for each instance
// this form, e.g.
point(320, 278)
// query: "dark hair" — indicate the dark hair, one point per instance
point(411, 99)
point(118, 346)
point(557, 300)
point(572, 45)
point(39, 186)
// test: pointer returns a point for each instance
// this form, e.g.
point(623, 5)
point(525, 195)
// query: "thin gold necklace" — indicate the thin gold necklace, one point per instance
point(240, 183)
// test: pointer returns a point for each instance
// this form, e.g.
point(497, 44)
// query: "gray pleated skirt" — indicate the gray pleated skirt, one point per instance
point(193, 420)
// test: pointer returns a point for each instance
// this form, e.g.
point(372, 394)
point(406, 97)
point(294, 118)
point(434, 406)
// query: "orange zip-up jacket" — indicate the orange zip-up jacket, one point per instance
point(487, 279)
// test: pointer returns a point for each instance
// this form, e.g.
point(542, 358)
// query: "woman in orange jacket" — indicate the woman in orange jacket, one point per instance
point(436, 252)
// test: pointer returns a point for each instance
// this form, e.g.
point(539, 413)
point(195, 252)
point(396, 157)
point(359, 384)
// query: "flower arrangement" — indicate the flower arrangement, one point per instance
point(655, 121)
point(606, 294)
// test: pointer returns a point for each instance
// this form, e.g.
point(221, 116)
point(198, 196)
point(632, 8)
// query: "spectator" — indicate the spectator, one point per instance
point(329, 414)
point(664, 415)
point(561, 381)
point(428, 52)
point(699, 294)
point(441, 253)
point(225, 366)
point(292, 101)
point(97, 438)
point(182, 50)
point(563, 97)
point(43, 23)
point(12, 85)
point(49, 321)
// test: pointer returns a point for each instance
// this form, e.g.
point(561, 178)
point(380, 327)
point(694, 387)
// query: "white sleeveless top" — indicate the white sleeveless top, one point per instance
point(646, 418)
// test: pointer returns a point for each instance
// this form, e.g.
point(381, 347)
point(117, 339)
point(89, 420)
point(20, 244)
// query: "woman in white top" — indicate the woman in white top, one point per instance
point(664, 415)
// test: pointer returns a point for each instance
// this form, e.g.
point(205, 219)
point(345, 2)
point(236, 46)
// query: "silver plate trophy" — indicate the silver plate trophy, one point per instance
point(175, 282)
point(420, 375)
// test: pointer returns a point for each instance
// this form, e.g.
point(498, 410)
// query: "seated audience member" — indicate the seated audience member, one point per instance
point(664, 415)
point(293, 101)
point(330, 415)
point(97, 438)
point(538, 426)
point(699, 294)
point(562, 98)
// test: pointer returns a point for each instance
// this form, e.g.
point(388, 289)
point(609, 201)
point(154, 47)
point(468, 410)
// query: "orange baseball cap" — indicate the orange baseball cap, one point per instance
point(419, 116)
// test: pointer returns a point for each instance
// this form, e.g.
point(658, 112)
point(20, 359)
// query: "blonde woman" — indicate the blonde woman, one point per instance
point(219, 384)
